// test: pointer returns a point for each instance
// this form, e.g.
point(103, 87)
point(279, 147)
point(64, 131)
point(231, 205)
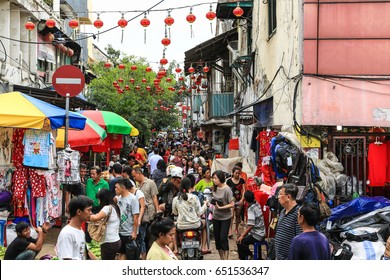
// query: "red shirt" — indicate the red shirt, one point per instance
point(377, 164)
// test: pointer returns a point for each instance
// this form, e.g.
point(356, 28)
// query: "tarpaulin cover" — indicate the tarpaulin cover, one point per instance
point(358, 206)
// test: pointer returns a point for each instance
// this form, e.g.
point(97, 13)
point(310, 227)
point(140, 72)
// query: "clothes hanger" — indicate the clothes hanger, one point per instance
point(377, 142)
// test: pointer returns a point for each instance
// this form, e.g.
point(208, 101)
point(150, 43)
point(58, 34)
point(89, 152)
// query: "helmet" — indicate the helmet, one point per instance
point(177, 172)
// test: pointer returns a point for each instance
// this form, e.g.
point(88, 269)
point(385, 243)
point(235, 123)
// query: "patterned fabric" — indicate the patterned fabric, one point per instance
point(38, 183)
point(6, 145)
point(18, 148)
point(255, 219)
point(54, 195)
point(188, 211)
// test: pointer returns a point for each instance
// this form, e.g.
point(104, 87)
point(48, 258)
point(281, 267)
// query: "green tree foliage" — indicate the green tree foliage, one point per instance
point(131, 98)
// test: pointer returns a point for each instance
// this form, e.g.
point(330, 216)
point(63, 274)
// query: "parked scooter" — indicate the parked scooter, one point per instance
point(190, 244)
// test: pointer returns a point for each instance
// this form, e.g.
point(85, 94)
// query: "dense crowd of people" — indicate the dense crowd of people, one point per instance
point(148, 197)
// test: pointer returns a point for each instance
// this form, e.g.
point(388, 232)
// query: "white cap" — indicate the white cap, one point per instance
point(177, 172)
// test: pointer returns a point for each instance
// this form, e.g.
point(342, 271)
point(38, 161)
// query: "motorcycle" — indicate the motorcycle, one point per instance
point(190, 244)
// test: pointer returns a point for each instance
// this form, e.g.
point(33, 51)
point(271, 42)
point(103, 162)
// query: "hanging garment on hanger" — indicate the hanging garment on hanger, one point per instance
point(5, 145)
point(36, 148)
point(54, 195)
point(68, 160)
point(18, 147)
point(377, 164)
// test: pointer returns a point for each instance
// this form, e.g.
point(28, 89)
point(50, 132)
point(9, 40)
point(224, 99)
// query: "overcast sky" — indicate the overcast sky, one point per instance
point(133, 37)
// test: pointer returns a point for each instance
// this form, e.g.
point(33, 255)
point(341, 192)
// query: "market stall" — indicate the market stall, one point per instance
point(28, 166)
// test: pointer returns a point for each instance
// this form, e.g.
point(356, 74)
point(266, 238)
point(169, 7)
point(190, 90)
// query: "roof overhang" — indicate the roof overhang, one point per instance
point(225, 9)
point(210, 51)
point(218, 122)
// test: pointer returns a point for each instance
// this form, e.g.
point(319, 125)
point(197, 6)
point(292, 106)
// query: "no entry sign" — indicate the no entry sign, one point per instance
point(68, 79)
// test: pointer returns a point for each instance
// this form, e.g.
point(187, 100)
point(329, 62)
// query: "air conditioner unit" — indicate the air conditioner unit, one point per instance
point(48, 77)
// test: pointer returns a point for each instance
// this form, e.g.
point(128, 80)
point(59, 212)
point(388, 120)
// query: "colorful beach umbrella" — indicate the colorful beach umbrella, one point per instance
point(110, 121)
point(23, 111)
point(91, 135)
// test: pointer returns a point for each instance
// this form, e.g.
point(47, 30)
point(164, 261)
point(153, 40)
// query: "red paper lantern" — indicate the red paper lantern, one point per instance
point(144, 80)
point(191, 17)
point(107, 64)
point(73, 23)
point(49, 37)
point(148, 69)
point(50, 23)
point(178, 70)
point(156, 81)
point(181, 78)
point(98, 23)
point(145, 22)
point(169, 20)
point(206, 69)
point(191, 69)
point(166, 42)
point(238, 11)
point(120, 80)
point(155, 108)
point(137, 87)
point(29, 25)
point(169, 79)
point(148, 88)
point(159, 101)
point(211, 15)
point(163, 61)
point(114, 83)
point(121, 66)
point(131, 80)
point(127, 87)
point(133, 67)
point(122, 22)
point(70, 52)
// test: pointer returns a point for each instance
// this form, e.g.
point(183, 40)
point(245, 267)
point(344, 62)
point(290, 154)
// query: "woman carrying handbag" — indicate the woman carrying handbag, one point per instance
point(111, 242)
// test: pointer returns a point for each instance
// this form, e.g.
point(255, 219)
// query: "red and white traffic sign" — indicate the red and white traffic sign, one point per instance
point(68, 79)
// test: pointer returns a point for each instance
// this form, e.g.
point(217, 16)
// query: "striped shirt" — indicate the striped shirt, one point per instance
point(286, 230)
point(255, 219)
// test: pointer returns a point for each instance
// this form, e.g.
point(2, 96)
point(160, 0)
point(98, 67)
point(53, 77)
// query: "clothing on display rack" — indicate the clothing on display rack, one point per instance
point(377, 164)
point(68, 161)
point(37, 148)
point(264, 138)
point(5, 146)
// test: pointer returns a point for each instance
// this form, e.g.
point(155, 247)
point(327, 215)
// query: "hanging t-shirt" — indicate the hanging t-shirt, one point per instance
point(377, 164)
point(36, 148)
point(68, 166)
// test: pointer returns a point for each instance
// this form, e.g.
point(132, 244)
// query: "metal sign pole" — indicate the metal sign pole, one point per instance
point(65, 186)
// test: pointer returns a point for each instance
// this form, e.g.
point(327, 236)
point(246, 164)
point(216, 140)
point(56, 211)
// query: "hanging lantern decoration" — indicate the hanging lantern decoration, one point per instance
point(163, 61)
point(127, 87)
point(121, 66)
point(169, 21)
point(144, 80)
point(70, 52)
point(120, 80)
point(191, 18)
point(73, 23)
point(169, 79)
point(191, 69)
point(148, 69)
point(166, 41)
point(148, 88)
point(238, 11)
point(29, 25)
point(137, 87)
point(49, 37)
point(211, 15)
point(50, 23)
point(131, 80)
point(145, 22)
point(178, 69)
point(107, 64)
point(122, 23)
point(206, 69)
point(133, 67)
point(181, 78)
point(98, 23)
